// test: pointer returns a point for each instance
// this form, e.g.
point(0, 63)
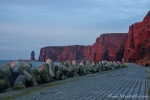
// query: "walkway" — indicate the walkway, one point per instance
point(121, 84)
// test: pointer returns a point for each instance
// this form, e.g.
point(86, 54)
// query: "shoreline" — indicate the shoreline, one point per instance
point(30, 60)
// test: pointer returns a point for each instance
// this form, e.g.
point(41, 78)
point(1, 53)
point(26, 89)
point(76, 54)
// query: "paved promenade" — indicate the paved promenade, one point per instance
point(121, 84)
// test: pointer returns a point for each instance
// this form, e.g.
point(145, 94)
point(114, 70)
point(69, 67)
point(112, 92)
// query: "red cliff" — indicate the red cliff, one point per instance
point(134, 46)
point(109, 47)
point(137, 46)
point(106, 47)
point(62, 53)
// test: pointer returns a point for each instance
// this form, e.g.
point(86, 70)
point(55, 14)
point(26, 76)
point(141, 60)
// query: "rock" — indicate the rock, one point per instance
point(6, 69)
point(70, 66)
point(25, 70)
point(28, 64)
point(15, 67)
point(74, 63)
point(28, 68)
point(58, 75)
point(27, 75)
point(137, 46)
point(15, 70)
point(20, 80)
point(32, 55)
point(50, 63)
point(43, 71)
point(4, 81)
point(109, 47)
point(37, 76)
point(134, 47)
point(105, 48)
point(2, 84)
point(62, 53)
point(18, 69)
point(89, 67)
point(67, 69)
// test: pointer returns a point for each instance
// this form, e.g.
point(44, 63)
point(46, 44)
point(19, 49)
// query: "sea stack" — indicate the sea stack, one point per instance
point(32, 55)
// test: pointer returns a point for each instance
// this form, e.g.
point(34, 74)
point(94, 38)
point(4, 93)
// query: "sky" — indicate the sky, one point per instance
point(29, 25)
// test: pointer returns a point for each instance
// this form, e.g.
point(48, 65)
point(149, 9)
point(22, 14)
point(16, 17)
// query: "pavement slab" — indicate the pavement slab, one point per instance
point(119, 84)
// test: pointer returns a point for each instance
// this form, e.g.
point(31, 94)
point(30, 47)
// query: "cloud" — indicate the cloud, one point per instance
point(29, 25)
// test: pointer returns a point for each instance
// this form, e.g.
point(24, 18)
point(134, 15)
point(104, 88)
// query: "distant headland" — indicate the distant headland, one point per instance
point(133, 46)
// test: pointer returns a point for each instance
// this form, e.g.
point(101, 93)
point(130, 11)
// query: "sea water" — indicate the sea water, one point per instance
point(34, 63)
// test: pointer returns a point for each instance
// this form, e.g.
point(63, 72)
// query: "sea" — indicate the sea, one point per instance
point(35, 64)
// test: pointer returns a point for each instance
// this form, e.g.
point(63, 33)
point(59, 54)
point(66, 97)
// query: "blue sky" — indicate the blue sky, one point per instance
point(28, 25)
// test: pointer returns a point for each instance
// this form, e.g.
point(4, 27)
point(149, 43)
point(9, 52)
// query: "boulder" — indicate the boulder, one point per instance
point(37, 76)
point(89, 67)
point(111, 65)
point(43, 71)
point(6, 69)
point(115, 65)
point(74, 63)
point(20, 80)
point(4, 82)
point(50, 63)
point(28, 68)
point(71, 68)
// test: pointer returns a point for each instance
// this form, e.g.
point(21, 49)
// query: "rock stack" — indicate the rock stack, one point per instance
point(32, 55)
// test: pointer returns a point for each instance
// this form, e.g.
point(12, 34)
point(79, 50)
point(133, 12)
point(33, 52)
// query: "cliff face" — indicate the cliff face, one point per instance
point(138, 40)
point(106, 47)
point(62, 53)
point(134, 46)
point(109, 47)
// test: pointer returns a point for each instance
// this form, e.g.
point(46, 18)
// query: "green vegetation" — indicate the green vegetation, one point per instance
point(21, 86)
point(124, 65)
